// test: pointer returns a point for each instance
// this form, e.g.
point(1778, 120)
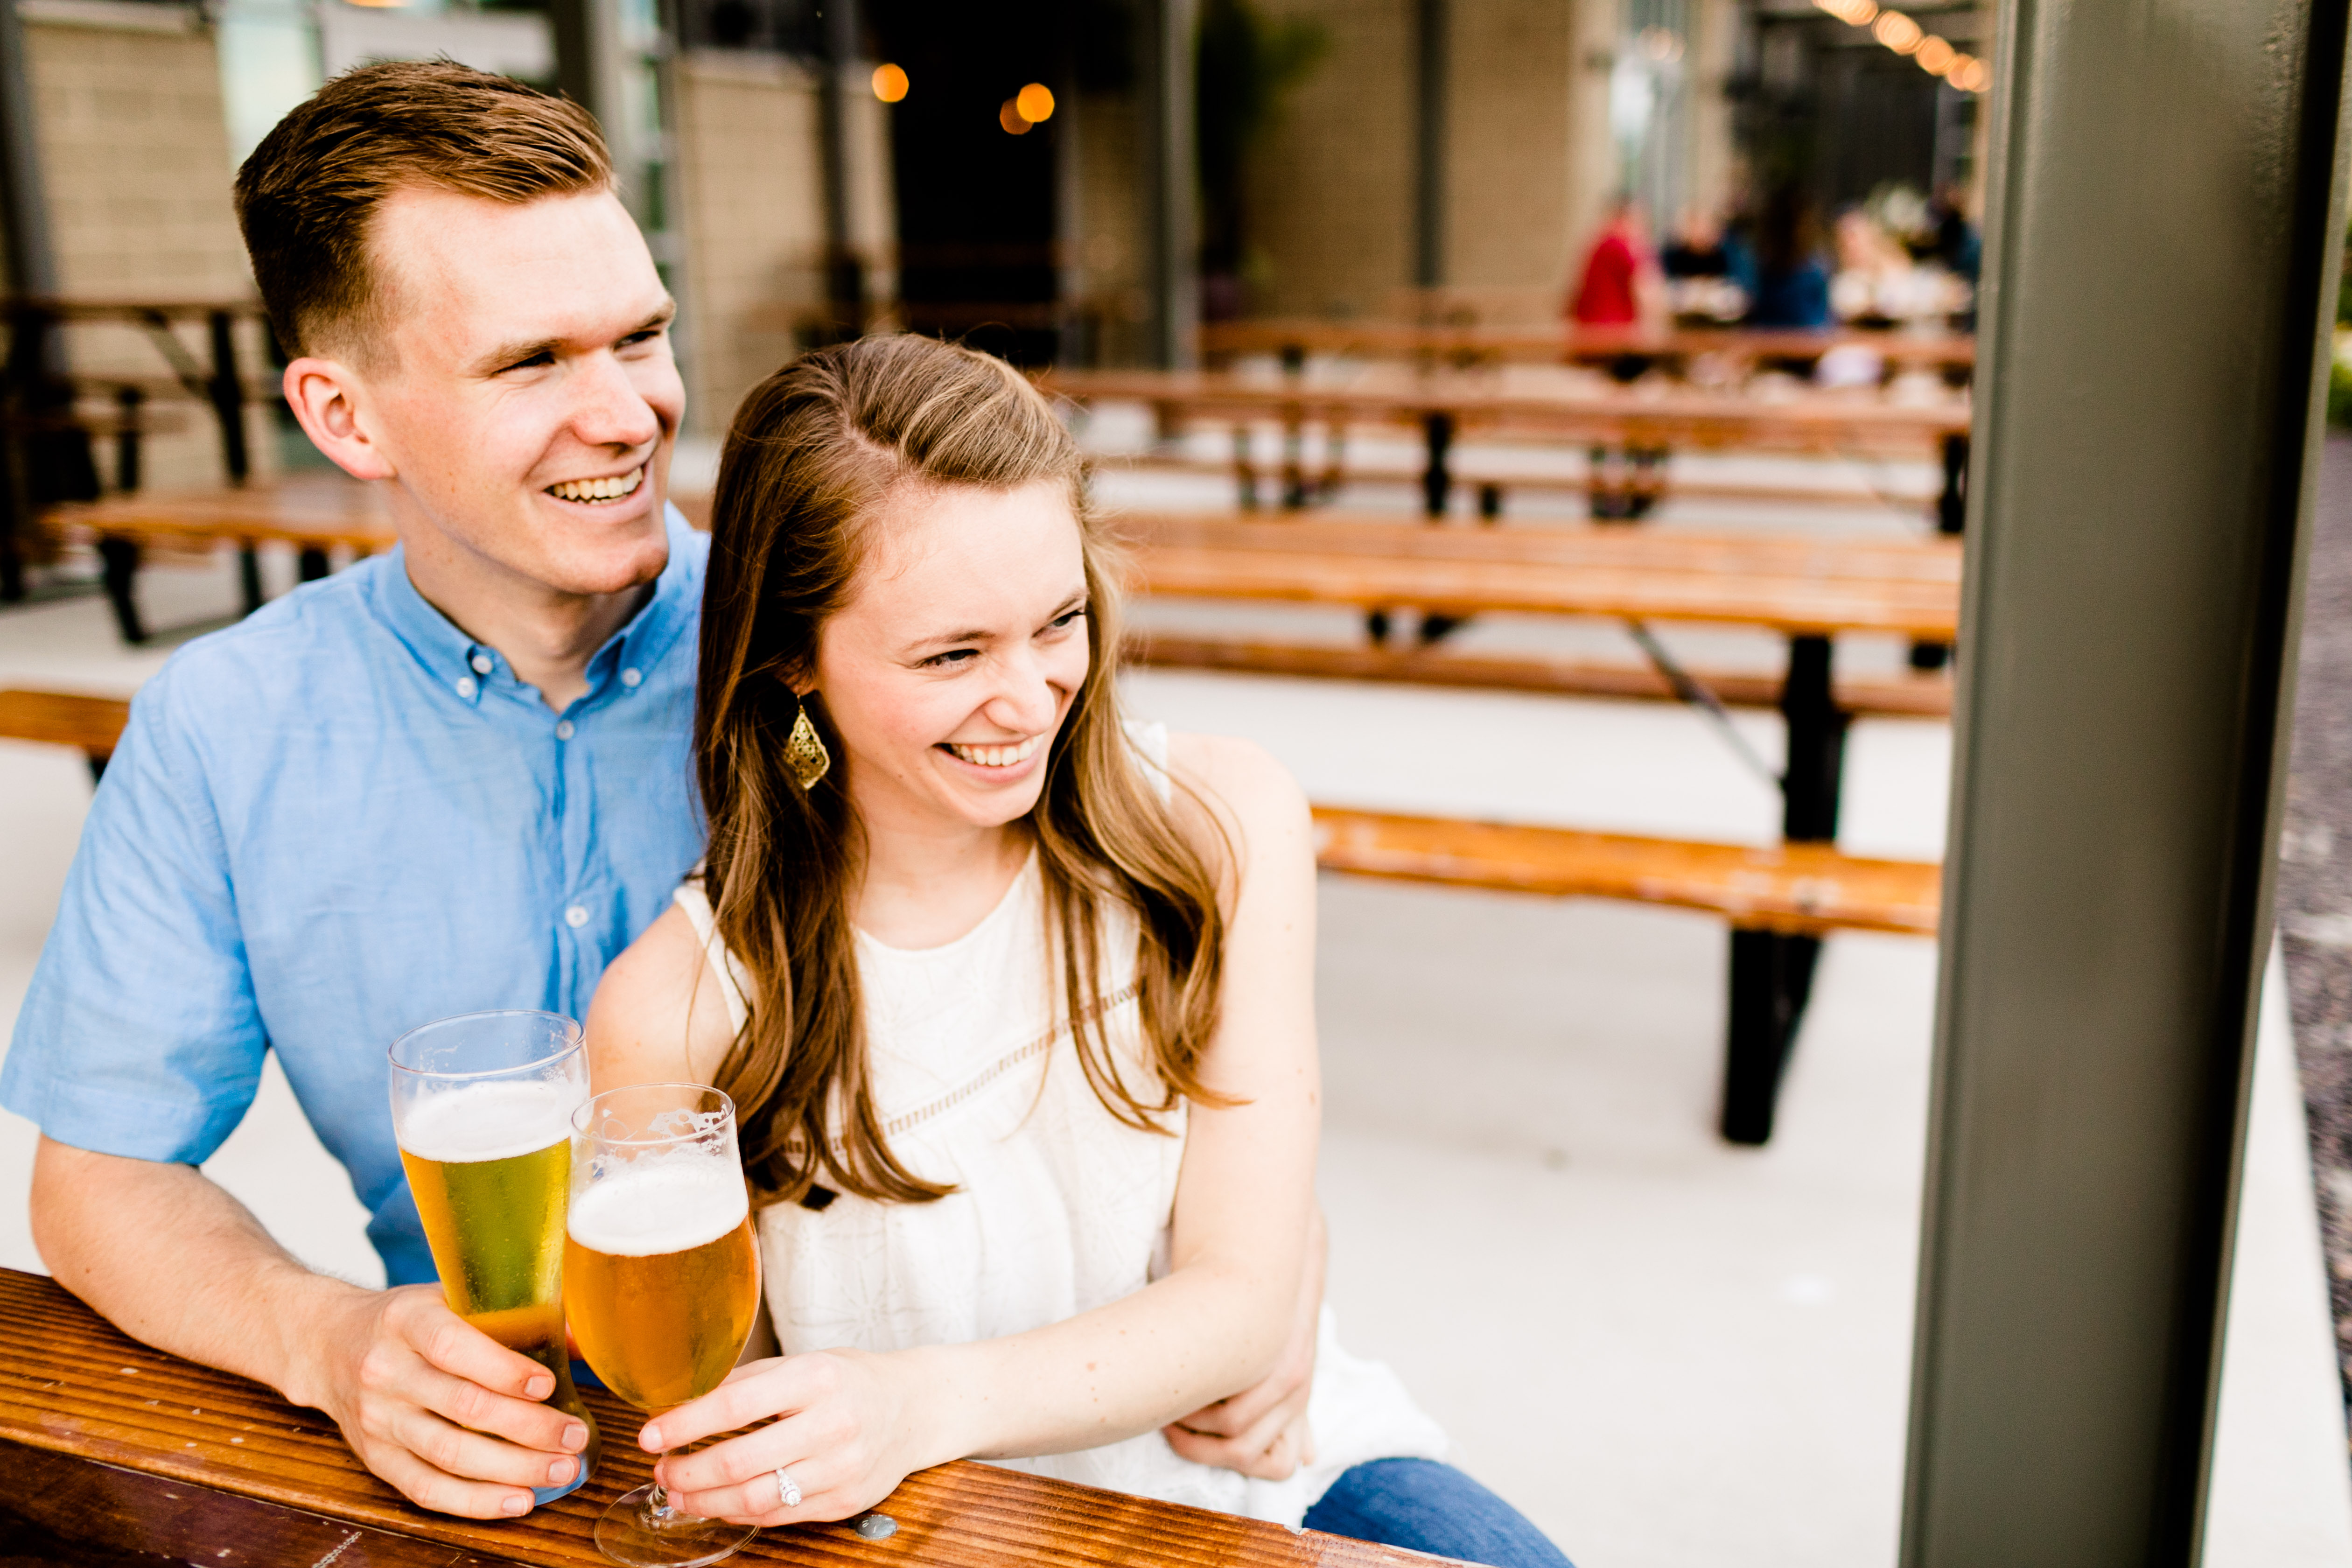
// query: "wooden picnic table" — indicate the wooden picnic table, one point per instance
point(316, 512)
point(1445, 403)
point(1806, 588)
point(1565, 342)
point(114, 1452)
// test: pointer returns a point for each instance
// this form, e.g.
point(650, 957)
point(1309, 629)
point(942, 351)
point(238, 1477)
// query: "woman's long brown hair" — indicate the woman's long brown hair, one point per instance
point(814, 452)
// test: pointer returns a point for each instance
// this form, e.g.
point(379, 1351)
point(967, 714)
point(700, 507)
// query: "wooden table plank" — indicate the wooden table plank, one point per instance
point(1568, 341)
point(317, 510)
point(1933, 560)
point(71, 1384)
point(1824, 422)
point(1798, 605)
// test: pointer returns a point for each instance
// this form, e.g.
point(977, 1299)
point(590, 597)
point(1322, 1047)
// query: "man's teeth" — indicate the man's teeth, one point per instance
point(999, 756)
point(599, 490)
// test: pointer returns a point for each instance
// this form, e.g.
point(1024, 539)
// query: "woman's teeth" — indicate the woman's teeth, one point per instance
point(613, 488)
point(998, 756)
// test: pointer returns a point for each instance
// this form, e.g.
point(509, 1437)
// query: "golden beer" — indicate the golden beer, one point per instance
point(490, 1166)
point(662, 1277)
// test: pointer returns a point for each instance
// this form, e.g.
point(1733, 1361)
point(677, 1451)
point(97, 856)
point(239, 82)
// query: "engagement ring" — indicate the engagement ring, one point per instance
point(788, 1491)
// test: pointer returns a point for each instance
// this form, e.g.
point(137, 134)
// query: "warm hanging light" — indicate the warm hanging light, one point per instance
point(1969, 74)
point(1035, 103)
point(1853, 13)
point(1009, 115)
point(889, 83)
point(1934, 55)
point(1897, 32)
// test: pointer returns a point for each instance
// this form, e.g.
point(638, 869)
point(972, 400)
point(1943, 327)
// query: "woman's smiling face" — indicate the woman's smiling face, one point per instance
point(959, 654)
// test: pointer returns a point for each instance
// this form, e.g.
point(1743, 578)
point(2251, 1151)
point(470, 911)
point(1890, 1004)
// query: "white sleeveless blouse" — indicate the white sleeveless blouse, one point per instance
point(1059, 1208)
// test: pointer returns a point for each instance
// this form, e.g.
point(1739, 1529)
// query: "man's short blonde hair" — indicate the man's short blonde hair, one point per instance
point(307, 197)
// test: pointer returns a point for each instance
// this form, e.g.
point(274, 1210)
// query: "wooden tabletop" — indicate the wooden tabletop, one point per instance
point(319, 510)
point(1797, 585)
point(1568, 341)
point(76, 1396)
point(1812, 422)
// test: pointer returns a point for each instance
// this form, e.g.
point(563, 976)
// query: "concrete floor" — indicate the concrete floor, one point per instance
point(1668, 1352)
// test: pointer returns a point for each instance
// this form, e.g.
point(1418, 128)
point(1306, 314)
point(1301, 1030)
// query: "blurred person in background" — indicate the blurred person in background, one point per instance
point(1620, 284)
point(1792, 284)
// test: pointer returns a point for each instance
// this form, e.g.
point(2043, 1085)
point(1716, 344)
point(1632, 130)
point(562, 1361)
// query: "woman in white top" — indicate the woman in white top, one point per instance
point(1014, 1001)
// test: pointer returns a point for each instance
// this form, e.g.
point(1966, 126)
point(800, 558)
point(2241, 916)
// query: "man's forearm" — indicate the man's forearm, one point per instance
point(174, 1261)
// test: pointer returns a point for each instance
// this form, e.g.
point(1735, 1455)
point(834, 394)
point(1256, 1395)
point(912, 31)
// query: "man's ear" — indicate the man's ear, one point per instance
point(328, 398)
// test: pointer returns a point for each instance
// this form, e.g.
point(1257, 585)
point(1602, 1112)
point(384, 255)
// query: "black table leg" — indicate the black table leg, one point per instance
point(128, 401)
point(1437, 475)
point(121, 559)
point(229, 397)
point(311, 565)
point(248, 575)
point(1951, 517)
point(1772, 971)
point(1244, 469)
point(1294, 465)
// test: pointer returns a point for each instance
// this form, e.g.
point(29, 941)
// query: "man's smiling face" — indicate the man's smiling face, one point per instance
point(520, 383)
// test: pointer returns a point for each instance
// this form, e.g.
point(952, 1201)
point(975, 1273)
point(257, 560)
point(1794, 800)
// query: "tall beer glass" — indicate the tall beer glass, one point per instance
point(662, 1279)
point(481, 1106)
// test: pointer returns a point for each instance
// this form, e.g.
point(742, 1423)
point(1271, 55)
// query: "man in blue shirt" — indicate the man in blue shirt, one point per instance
point(453, 777)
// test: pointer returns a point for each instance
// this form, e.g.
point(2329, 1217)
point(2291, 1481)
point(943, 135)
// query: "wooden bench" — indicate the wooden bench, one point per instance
point(1916, 697)
point(115, 1453)
point(91, 725)
point(1770, 892)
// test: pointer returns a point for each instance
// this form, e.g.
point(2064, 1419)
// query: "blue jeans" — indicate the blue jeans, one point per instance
point(1423, 1506)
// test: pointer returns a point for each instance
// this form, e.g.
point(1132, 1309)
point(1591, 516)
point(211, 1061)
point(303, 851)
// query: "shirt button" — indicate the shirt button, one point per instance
point(466, 687)
point(632, 678)
point(564, 729)
point(481, 662)
point(576, 917)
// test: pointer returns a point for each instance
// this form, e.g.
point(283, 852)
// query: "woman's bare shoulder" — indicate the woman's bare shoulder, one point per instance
point(659, 1008)
point(1255, 801)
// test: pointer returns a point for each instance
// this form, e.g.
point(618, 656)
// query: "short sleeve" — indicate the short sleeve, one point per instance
point(140, 1035)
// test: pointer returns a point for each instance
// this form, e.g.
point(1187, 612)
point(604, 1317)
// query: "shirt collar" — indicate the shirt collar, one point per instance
point(455, 659)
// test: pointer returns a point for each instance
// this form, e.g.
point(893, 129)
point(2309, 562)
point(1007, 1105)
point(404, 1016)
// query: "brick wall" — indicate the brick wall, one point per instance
point(1330, 189)
point(1508, 164)
point(751, 166)
point(134, 157)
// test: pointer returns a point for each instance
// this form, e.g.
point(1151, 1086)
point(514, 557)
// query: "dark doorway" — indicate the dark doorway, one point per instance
point(976, 201)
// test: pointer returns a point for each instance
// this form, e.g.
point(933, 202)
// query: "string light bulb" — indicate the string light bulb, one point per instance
point(1897, 32)
point(1934, 55)
point(1035, 103)
point(889, 83)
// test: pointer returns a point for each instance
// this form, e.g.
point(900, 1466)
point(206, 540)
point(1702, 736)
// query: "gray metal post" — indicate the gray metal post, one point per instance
point(2164, 219)
point(1172, 178)
point(1431, 26)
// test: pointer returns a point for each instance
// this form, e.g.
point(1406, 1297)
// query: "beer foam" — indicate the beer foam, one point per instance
point(661, 1204)
point(489, 1121)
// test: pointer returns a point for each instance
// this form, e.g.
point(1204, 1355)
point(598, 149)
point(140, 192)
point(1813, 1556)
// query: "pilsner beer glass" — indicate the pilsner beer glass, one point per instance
point(481, 1108)
point(662, 1278)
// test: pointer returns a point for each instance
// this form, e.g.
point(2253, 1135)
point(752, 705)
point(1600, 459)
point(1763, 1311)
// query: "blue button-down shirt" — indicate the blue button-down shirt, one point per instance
point(330, 823)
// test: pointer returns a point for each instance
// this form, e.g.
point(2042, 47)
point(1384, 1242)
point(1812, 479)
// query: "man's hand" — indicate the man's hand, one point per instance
point(438, 1408)
point(1263, 1431)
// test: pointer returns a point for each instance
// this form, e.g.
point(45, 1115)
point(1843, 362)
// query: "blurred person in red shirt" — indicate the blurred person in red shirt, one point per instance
point(1621, 285)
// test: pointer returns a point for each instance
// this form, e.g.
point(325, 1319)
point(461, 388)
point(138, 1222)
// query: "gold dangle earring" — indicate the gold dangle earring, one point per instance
point(805, 751)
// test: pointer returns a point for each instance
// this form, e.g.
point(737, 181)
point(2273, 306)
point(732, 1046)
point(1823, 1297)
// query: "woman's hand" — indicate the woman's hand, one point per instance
point(844, 1427)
